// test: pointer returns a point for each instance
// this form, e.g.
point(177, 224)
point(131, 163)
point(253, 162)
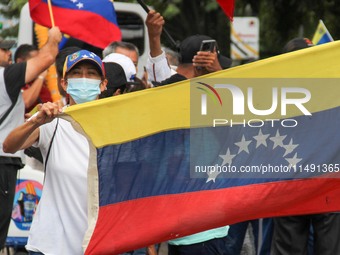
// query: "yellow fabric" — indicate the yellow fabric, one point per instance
point(166, 108)
point(134, 114)
point(51, 77)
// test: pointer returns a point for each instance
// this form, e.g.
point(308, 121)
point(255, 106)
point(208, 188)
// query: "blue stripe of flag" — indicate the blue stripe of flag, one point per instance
point(163, 163)
point(325, 39)
point(103, 8)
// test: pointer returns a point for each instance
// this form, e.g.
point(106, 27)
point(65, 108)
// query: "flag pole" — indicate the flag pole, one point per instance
point(50, 11)
point(146, 9)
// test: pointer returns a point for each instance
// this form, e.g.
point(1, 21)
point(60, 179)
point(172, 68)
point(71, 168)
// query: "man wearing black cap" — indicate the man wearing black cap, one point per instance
point(12, 79)
point(193, 61)
point(5, 52)
point(190, 53)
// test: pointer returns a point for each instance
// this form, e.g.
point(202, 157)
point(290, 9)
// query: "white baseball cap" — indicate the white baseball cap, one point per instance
point(125, 62)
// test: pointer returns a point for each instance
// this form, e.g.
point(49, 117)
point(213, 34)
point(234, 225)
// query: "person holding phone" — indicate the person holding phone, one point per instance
point(193, 62)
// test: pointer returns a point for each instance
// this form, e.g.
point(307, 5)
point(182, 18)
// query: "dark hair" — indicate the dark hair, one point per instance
point(297, 44)
point(60, 59)
point(137, 85)
point(117, 80)
point(59, 62)
point(23, 51)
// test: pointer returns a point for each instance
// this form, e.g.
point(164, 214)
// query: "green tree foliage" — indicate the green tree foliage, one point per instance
point(280, 20)
point(11, 9)
point(187, 17)
point(283, 20)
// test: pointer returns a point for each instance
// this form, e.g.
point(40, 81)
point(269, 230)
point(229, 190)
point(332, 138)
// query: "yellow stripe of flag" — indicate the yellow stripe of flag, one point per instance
point(155, 110)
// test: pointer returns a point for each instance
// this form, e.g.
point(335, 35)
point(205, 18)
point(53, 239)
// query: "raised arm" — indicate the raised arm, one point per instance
point(154, 23)
point(31, 94)
point(45, 57)
point(157, 65)
point(25, 135)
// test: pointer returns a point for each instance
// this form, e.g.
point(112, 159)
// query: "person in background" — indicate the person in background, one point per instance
point(5, 52)
point(65, 188)
point(173, 58)
point(12, 109)
point(193, 62)
point(128, 49)
point(35, 92)
point(297, 44)
point(125, 62)
point(121, 75)
point(292, 234)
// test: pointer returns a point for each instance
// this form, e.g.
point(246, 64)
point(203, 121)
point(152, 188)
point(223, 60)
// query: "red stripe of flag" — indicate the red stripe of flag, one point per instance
point(188, 213)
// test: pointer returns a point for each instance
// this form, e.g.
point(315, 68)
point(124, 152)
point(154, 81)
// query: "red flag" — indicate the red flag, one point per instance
point(93, 22)
point(228, 7)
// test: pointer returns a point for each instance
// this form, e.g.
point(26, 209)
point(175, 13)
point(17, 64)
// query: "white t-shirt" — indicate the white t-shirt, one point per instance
point(60, 221)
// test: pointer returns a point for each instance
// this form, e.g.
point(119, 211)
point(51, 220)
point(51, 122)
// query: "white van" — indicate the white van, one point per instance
point(131, 20)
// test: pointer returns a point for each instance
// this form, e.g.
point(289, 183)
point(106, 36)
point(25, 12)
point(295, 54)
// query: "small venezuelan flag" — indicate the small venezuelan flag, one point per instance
point(322, 34)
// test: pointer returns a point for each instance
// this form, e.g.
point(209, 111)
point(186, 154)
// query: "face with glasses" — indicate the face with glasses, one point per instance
point(5, 57)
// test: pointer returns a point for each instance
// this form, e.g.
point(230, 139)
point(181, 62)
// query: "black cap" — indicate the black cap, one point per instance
point(297, 44)
point(192, 44)
point(116, 79)
point(115, 75)
point(6, 44)
point(225, 62)
point(189, 47)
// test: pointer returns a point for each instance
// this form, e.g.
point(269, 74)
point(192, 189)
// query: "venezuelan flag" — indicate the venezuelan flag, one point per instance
point(85, 16)
point(321, 34)
point(147, 181)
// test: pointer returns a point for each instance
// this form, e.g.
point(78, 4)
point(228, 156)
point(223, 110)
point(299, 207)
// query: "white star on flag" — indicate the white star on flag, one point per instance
point(227, 158)
point(80, 5)
point(278, 139)
point(74, 1)
point(261, 139)
point(293, 161)
point(212, 175)
point(243, 145)
point(289, 147)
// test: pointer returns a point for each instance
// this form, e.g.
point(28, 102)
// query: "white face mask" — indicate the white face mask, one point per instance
point(83, 90)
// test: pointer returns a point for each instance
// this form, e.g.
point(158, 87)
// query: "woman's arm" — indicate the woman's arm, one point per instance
point(28, 133)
